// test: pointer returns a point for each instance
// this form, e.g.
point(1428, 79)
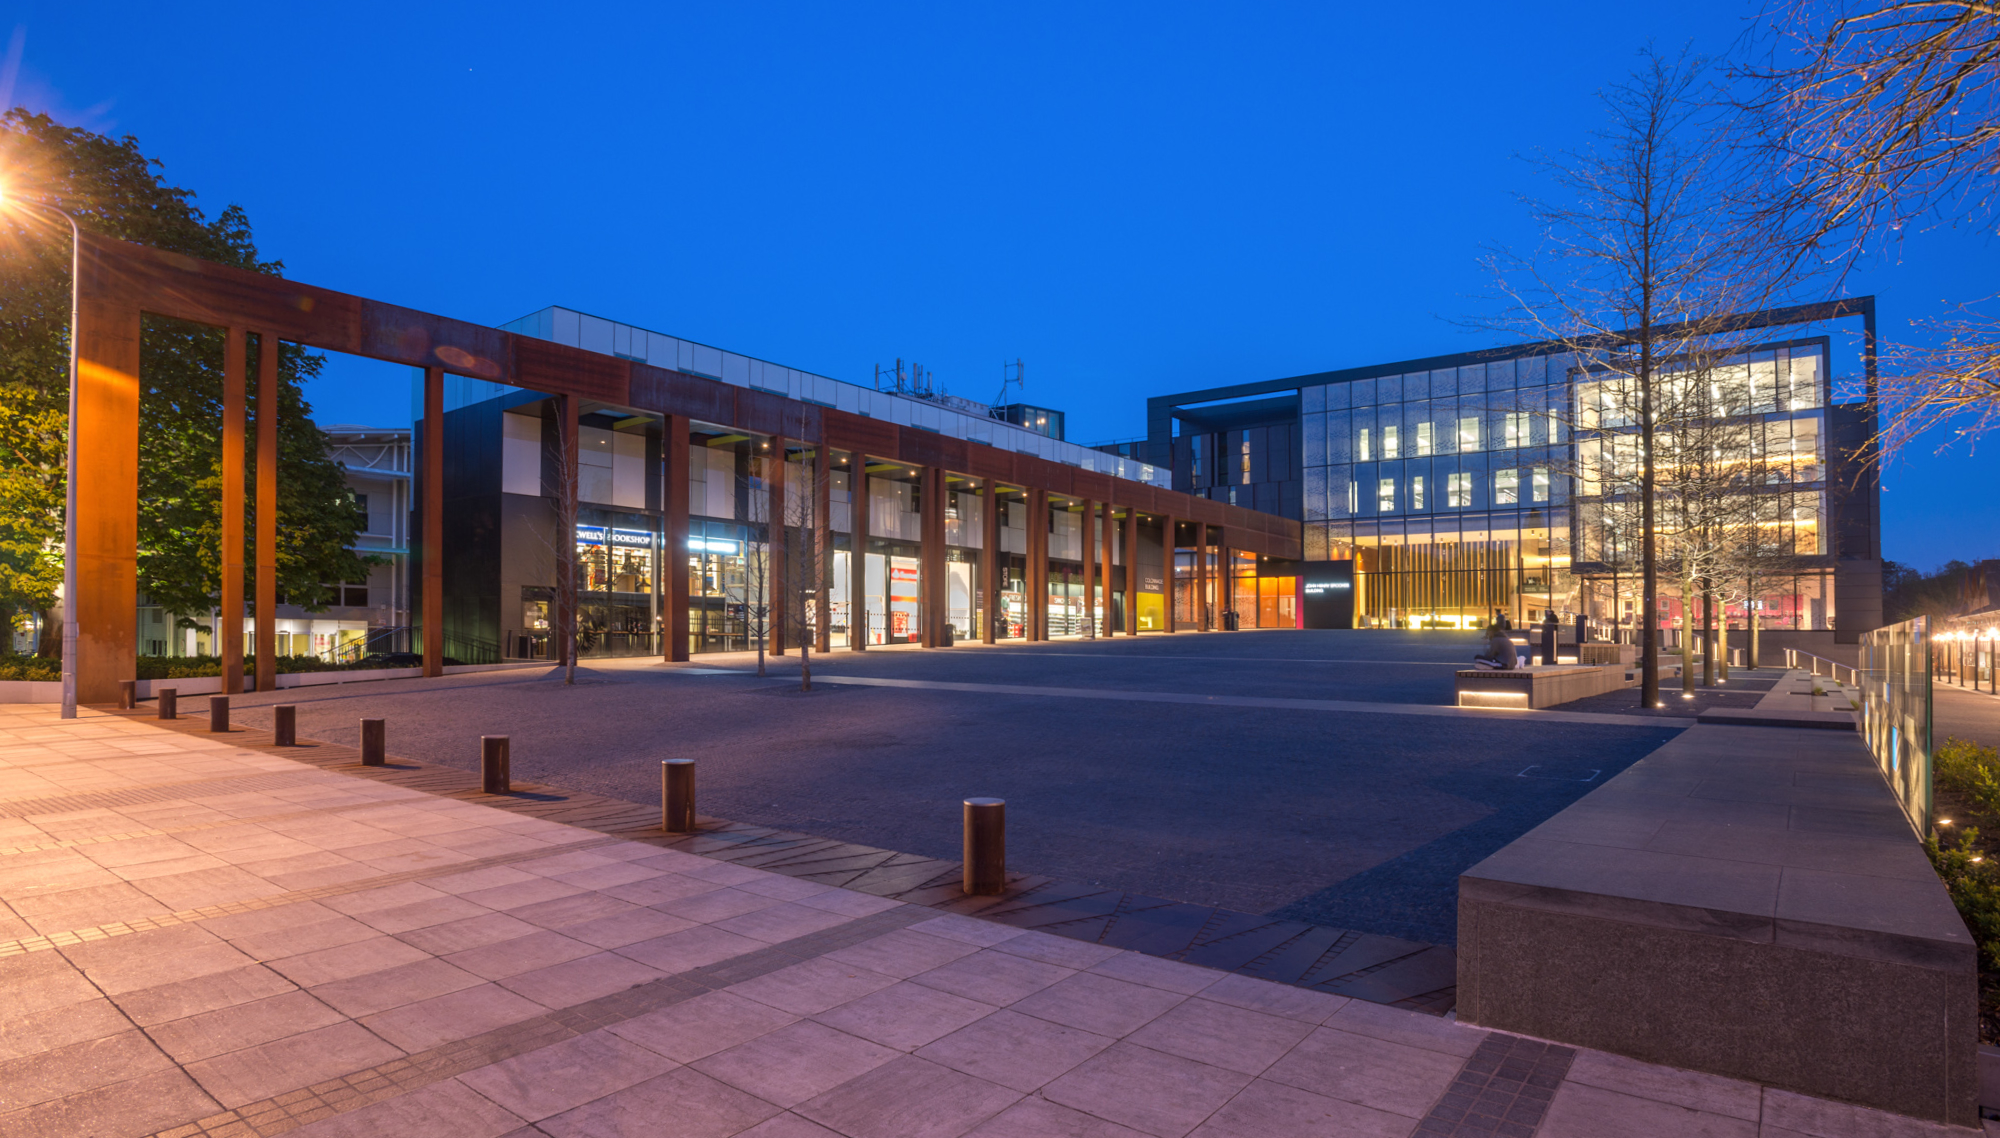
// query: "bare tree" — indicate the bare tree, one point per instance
point(560, 469)
point(757, 569)
point(1638, 268)
point(1878, 118)
point(806, 577)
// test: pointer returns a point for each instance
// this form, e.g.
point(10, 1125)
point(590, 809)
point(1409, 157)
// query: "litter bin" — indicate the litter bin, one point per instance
point(1229, 620)
point(948, 633)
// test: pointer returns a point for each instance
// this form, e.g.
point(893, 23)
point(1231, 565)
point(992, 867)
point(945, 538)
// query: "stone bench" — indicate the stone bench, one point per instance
point(1749, 902)
point(1537, 685)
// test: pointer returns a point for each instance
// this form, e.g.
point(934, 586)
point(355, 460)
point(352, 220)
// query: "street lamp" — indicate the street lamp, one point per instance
point(9, 201)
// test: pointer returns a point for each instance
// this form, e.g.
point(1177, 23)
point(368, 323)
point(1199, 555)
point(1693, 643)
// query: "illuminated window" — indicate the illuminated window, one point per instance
point(1541, 483)
point(1468, 434)
point(1417, 492)
point(1246, 464)
point(1385, 496)
point(1391, 443)
point(1426, 438)
point(1515, 427)
point(1506, 487)
point(1458, 491)
point(1353, 498)
point(1361, 448)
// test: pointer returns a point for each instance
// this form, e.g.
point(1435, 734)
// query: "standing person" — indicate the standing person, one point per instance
point(1499, 655)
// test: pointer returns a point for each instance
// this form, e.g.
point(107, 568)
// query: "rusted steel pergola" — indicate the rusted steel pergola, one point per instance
point(118, 282)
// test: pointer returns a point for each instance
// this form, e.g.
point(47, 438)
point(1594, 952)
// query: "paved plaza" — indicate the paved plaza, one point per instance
point(1315, 776)
point(201, 936)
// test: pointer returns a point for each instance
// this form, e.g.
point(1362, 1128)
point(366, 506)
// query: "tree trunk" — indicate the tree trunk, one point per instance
point(1711, 671)
point(1687, 634)
point(805, 665)
point(1750, 607)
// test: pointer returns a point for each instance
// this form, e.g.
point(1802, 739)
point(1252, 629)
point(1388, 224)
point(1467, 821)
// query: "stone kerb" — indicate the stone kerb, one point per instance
point(1746, 901)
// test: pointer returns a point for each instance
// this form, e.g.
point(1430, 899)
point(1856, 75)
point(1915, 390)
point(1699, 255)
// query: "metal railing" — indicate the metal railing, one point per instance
point(1821, 666)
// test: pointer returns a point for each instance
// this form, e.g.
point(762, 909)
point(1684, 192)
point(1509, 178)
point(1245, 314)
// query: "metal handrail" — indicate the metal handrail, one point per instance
point(1833, 667)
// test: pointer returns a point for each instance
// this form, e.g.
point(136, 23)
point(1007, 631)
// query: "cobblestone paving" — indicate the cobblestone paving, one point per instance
point(392, 961)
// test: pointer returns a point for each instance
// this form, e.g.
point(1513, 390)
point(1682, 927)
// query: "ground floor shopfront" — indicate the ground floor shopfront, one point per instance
point(712, 538)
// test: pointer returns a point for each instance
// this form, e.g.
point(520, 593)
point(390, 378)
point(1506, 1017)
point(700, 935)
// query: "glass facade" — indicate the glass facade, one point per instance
point(1504, 488)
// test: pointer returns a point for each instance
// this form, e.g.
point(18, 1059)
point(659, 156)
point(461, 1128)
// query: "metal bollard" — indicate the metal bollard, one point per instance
point(985, 846)
point(128, 694)
point(493, 764)
point(677, 796)
point(285, 726)
point(169, 709)
point(218, 713)
point(374, 742)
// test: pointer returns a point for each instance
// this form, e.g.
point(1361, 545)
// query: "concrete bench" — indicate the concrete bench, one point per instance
point(1749, 902)
point(1538, 685)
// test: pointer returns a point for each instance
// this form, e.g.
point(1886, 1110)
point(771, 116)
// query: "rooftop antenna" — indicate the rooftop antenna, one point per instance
point(1011, 375)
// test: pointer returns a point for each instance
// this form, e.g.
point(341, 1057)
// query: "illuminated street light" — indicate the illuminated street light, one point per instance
point(8, 203)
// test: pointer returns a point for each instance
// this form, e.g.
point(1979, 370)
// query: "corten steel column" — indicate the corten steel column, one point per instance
point(106, 488)
point(1110, 545)
point(1131, 572)
point(674, 503)
point(229, 622)
point(1089, 561)
point(433, 540)
point(857, 555)
point(822, 491)
point(989, 563)
point(1201, 576)
point(567, 587)
point(1168, 537)
point(1225, 579)
point(1038, 564)
point(267, 512)
point(776, 603)
point(935, 602)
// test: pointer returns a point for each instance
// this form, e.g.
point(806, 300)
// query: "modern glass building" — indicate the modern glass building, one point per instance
point(1467, 487)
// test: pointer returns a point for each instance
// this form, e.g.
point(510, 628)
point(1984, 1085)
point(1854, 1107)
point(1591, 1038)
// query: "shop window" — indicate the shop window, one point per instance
point(1361, 447)
point(1391, 444)
point(1468, 433)
point(1417, 492)
point(1385, 496)
point(1426, 439)
point(1458, 490)
point(1506, 487)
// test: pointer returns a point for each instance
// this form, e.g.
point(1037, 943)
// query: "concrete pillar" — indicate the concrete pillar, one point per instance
point(857, 557)
point(778, 604)
point(568, 458)
point(933, 596)
point(1131, 572)
point(822, 491)
point(674, 508)
point(1168, 537)
point(1038, 564)
point(1089, 561)
point(1110, 546)
point(1201, 603)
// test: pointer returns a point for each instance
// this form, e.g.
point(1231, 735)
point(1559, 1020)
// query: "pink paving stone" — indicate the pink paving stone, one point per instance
point(565, 1075)
point(795, 1063)
point(1014, 1050)
point(683, 1103)
point(373, 992)
point(1052, 949)
point(1147, 1090)
point(1270, 1110)
point(993, 977)
point(1040, 1118)
point(1099, 1004)
point(1363, 1069)
point(583, 979)
point(626, 928)
point(717, 905)
point(1187, 979)
point(1274, 999)
point(909, 1098)
point(904, 1016)
point(848, 903)
point(660, 890)
point(272, 1068)
point(448, 1109)
point(971, 930)
point(459, 1015)
point(694, 1029)
point(902, 953)
point(691, 948)
point(472, 932)
point(183, 998)
point(311, 969)
point(812, 986)
point(1231, 1037)
point(538, 949)
point(781, 922)
point(243, 1025)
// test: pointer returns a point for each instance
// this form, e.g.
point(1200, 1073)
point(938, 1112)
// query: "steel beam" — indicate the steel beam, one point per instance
point(433, 538)
point(266, 603)
point(229, 619)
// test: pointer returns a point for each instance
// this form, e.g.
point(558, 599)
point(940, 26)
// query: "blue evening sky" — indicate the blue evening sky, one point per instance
point(1135, 199)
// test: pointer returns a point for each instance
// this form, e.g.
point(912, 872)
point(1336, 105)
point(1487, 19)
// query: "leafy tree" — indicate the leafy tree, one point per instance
point(111, 188)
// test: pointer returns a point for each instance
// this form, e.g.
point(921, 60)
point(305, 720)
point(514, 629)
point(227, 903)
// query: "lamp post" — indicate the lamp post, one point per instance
point(69, 468)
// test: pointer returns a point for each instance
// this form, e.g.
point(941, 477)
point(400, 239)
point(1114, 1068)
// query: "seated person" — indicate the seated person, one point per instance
point(1499, 655)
